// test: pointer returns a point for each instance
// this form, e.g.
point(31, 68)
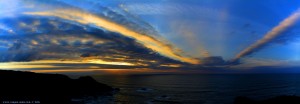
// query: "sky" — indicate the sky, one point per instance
point(148, 36)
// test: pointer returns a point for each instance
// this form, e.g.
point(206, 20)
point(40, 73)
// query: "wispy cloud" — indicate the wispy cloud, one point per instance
point(8, 9)
point(169, 9)
point(4, 29)
point(188, 33)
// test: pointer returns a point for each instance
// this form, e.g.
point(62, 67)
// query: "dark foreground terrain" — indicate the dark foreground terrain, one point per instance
point(32, 88)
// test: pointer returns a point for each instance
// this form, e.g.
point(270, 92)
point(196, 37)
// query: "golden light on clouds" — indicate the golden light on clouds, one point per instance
point(23, 65)
point(98, 61)
point(147, 41)
point(172, 65)
point(51, 64)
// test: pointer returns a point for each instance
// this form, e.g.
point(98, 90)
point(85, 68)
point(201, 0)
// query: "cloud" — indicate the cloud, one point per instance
point(56, 39)
point(187, 33)
point(5, 30)
point(249, 63)
point(118, 15)
point(173, 9)
point(273, 35)
point(8, 9)
point(141, 24)
point(213, 61)
point(84, 18)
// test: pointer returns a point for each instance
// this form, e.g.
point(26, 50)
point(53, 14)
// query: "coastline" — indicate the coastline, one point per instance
point(35, 88)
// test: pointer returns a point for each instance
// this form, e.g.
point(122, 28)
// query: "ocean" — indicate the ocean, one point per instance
point(199, 88)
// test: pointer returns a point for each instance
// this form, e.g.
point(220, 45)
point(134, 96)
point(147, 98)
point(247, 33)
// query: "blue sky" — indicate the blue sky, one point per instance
point(223, 28)
point(151, 34)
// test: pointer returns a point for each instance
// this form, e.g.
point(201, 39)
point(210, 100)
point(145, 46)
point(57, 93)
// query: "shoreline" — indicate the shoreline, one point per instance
point(29, 87)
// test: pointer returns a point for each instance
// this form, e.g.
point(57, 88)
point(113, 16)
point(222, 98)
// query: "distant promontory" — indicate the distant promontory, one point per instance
point(35, 88)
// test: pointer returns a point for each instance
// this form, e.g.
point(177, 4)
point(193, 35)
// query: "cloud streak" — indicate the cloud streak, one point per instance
point(88, 18)
point(271, 35)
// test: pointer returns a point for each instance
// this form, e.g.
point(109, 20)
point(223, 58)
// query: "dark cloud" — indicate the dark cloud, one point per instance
point(40, 38)
point(213, 61)
point(121, 17)
point(218, 61)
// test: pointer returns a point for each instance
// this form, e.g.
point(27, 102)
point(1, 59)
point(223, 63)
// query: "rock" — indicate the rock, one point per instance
point(48, 88)
point(116, 90)
point(275, 100)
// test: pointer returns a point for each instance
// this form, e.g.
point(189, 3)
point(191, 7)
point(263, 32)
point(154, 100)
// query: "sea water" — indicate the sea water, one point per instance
point(199, 88)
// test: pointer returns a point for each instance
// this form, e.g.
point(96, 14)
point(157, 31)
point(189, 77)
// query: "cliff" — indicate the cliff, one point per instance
point(47, 88)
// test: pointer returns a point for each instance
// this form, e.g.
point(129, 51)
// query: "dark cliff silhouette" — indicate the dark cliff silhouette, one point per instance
point(47, 88)
point(275, 100)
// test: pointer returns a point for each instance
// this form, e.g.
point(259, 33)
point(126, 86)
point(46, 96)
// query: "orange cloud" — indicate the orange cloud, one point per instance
point(88, 18)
